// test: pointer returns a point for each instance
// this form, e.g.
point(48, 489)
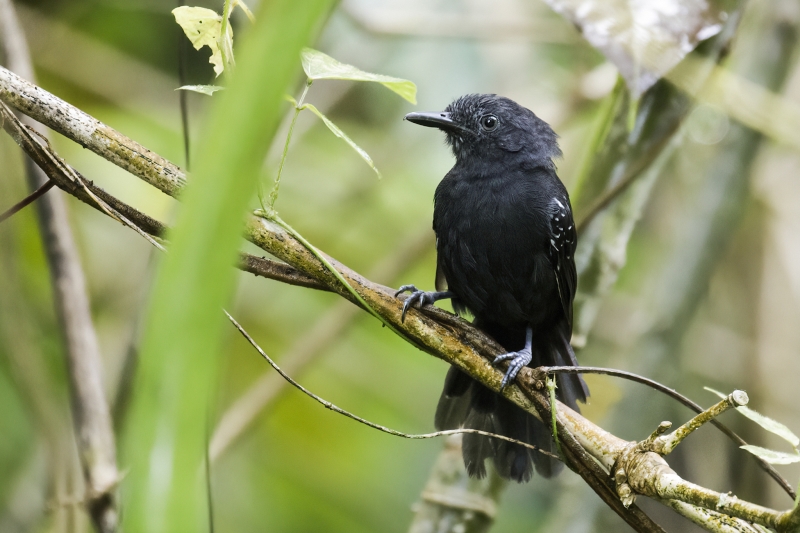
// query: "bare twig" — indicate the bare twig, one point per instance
point(91, 416)
point(366, 422)
point(672, 393)
point(664, 445)
point(239, 416)
point(631, 174)
point(57, 170)
point(266, 268)
point(22, 204)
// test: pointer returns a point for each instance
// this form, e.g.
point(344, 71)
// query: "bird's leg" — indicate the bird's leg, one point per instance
point(517, 359)
point(422, 297)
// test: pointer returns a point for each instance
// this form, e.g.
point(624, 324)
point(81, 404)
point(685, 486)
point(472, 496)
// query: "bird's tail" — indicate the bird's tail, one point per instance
point(467, 403)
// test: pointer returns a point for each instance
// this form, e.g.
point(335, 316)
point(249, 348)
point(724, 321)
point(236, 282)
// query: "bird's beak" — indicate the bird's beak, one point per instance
point(435, 120)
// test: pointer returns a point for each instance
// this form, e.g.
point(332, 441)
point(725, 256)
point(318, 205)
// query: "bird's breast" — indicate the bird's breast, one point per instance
point(492, 246)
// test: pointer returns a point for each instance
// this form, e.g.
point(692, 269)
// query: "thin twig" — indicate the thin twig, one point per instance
point(672, 393)
point(73, 182)
point(665, 444)
point(308, 346)
point(91, 415)
point(366, 422)
point(57, 170)
point(22, 204)
point(267, 268)
point(631, 174)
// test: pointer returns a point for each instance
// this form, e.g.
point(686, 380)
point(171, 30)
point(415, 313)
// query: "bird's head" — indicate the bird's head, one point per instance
point(492, 128)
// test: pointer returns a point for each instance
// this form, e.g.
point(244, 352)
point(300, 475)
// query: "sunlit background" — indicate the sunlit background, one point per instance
point(704, 298)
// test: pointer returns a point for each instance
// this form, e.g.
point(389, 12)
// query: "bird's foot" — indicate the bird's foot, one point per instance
point(420, 298)
point(517, 361)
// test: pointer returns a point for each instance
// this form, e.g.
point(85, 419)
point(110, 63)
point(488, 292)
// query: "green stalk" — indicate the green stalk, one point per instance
point(551, 388)
point(273, 195)
point(311, 248)
point(226, 11)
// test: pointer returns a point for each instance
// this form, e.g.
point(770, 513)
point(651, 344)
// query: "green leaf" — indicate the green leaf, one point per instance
point(319, 66)
point(203, 89)
point(339, 133)
point(771, 425)
point(771, 456)
point(164, 445)
point(203, 27)
point(765, 422)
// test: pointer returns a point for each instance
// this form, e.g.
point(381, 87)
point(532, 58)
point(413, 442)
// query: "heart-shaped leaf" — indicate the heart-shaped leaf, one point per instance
point(319, 66)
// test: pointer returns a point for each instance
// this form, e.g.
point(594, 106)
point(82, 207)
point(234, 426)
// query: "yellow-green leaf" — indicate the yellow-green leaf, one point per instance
point(339, 133)
point(771, 456)
point(319, 66)
point(203, 89)
point(203, 26)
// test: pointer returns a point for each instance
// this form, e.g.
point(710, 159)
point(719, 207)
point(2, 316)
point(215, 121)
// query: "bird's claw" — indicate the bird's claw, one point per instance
point(517, 361)
point(417, 296)
point(405, 288)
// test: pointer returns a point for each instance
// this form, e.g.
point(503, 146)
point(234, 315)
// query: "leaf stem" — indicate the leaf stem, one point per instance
point(226, 11)
point(311, 248)
point(298, 106)
point(797, 498)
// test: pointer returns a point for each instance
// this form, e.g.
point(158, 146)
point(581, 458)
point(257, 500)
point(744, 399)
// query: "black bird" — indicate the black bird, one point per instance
point(505, 243)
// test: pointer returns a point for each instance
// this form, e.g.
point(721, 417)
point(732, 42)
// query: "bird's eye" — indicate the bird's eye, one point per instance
point(489, 122)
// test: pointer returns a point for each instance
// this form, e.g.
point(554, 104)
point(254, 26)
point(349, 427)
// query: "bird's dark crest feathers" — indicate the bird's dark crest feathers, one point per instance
point(518, 127)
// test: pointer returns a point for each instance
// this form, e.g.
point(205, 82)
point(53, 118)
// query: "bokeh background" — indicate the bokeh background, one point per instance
point(708, 291)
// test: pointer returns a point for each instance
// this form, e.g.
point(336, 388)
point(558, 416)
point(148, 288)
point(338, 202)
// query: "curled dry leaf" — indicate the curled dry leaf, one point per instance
point(645, 38)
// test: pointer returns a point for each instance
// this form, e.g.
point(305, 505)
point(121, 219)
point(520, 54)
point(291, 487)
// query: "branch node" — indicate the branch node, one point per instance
point(726, 499)
point(648, 444)
point(739, 398)
point(665, 444)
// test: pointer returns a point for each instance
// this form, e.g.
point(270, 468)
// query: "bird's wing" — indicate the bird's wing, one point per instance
point(563, 240)
point(441, 281)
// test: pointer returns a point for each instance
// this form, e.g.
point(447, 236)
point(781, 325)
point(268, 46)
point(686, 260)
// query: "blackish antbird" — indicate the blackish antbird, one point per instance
point(505, 243)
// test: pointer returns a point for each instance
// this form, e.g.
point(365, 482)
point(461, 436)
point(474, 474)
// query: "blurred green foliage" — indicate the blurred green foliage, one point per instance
point(301, 467)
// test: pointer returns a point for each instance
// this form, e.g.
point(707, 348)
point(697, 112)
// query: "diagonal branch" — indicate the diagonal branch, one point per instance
point(590, 450)
point(28, 200)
